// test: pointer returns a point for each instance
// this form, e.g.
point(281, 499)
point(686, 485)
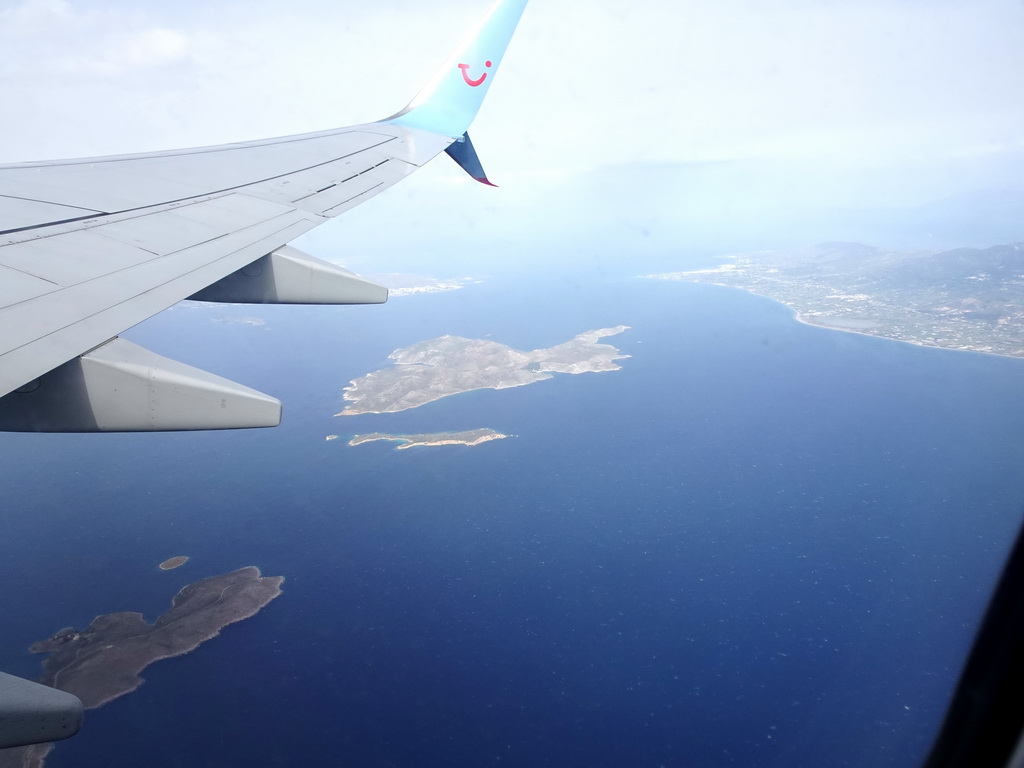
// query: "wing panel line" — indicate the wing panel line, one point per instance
point(29, 359)
point(225, 190)
point(48, 202)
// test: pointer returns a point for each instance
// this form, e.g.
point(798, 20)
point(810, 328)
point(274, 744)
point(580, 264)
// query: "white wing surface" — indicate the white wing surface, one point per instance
point(89, 248)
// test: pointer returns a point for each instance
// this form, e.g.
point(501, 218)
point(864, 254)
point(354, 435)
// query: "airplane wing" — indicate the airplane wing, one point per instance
point(89, 248)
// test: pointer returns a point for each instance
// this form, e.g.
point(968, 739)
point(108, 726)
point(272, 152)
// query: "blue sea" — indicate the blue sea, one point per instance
point(760, 543)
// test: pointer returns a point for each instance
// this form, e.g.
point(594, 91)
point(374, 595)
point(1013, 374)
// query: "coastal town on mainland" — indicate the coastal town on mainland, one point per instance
point(966, 299)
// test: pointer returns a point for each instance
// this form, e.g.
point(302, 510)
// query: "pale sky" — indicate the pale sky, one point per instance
point(585, 84)
point(863, 84)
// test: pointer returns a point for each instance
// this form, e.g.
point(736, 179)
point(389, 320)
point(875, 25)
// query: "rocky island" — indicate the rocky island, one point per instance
point(469, 437)
point(449, 365)
point(967, 299)
point(102, 662)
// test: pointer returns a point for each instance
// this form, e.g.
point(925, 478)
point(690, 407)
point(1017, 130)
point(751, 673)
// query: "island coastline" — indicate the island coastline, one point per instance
point(467, 438)
point(104, 661)
point(450, 365)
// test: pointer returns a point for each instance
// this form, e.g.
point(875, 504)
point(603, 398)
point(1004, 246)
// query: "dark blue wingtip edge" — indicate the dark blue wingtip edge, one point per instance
point(462, 152)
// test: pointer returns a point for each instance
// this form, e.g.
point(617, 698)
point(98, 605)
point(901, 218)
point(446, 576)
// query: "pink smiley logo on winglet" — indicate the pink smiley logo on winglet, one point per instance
point(468, 79)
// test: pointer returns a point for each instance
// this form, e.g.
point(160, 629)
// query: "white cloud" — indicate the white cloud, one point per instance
point(582, 86)
point(44, 37)
point(152, 46)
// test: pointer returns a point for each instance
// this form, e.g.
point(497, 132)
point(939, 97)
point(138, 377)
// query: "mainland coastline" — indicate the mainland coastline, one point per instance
point(967, 299)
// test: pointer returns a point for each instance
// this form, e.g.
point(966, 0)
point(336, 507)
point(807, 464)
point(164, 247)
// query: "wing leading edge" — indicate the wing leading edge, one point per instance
point(89, 248)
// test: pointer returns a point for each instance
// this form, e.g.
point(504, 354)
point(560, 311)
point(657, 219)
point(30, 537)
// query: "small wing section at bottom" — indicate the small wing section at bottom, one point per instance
point(31, 713)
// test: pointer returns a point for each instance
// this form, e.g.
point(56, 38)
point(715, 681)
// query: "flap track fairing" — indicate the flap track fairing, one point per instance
point(289, 276)
point(122, 387)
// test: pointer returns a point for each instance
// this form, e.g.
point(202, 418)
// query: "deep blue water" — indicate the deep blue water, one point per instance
point(758, 544)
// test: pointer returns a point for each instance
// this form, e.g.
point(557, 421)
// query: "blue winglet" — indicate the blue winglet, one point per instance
point(462, 152)
point(450, 101)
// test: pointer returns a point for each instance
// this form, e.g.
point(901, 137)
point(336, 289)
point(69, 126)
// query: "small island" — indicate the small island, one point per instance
point(450, 365)
point(173, 562)
point(403, 284)
point(102, 662)
point(469, 437)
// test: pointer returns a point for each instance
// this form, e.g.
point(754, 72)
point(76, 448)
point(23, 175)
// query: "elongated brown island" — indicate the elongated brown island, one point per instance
point(103, 661)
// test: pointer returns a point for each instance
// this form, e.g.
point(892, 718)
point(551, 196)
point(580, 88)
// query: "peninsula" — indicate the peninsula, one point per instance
point(966, 299)
point(469, 437)
point(103, 662)
point(449, 365)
